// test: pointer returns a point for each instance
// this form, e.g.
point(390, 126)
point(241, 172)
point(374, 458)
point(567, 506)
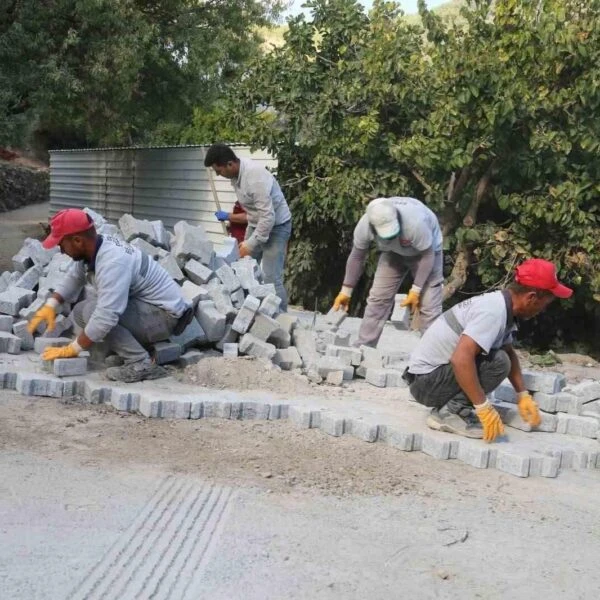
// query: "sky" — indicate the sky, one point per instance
point(409, 6)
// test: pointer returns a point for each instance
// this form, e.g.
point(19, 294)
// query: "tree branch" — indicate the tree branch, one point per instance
point(480, 191)
point(458, 276)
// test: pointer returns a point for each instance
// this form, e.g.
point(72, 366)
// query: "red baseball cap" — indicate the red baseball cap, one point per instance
point(541, 274)
point(67, 222)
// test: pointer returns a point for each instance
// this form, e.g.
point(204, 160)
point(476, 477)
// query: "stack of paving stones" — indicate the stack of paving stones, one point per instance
point(235, 311)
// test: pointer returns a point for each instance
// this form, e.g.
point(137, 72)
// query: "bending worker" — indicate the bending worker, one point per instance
point(137, 303)
point(468, 352)
point(409, 238)
point(268, 214)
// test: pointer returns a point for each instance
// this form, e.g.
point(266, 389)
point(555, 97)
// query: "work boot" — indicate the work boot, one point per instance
point(114, 360)
point(466, 424)
point(136, 372)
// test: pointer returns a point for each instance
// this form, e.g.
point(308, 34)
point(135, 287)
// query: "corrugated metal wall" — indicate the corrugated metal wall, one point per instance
point(170, 183)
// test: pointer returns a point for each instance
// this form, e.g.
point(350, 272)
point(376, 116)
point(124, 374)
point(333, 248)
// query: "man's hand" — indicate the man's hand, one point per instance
point(46, 314)
point(490, 419)
point(412, 299)
point(70, 351)
point(528, 409)
point(244, 250)
point(341, 301)
point(222, 215)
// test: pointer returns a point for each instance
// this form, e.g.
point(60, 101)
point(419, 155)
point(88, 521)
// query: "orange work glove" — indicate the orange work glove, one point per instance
point(342, 300)
point(490, 419)
point(46, 314)
point(70, 351)
point(528, 409)
point(412, 299)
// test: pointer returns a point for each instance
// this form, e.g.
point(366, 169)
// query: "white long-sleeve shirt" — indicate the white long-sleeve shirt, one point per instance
point(119, 272)
point(261, 197)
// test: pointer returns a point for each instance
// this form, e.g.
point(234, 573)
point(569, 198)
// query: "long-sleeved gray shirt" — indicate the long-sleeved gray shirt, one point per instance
point(261, 197)
point(119, 272)
point(420, 238)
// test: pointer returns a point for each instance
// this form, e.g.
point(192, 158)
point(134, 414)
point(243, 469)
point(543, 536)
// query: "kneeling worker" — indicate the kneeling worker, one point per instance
point(408, 235)
point(137, 302)
point(468, 352)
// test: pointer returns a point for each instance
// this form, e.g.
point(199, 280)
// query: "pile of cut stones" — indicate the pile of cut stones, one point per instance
point(236, 312)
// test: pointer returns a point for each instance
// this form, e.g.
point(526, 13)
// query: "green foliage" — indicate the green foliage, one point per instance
point(493, 122)
point(84, 72)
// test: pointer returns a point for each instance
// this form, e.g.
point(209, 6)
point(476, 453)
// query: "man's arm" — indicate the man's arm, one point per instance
point(465, 369)
point(240, 218)
point(424, 267)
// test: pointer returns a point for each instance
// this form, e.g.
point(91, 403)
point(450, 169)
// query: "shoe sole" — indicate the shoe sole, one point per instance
point(437, 426)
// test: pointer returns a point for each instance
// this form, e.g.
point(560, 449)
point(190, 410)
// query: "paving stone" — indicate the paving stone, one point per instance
point(400, 316)
point(30, 279)
point(305, 417)
point(255, 410)
point(245, 316)
point(41, 343)
point(332, 424)
point(566, 402)
point(505, 392)
point(136, 228)
point(21, 262)
point(39, 385)
point(278, 411)
point(228, 278)
point(8, 380)
point(193, 335)
point(217, 409)
point(197, 272)
point(229, 337)
point(306, 343)
point(69, 367)
point(156, 407)
point(21, 331)
point(335, 378)
point(367, 432)
point(544, 381)
point(97, 393)
point(236, 410)
point(252, 346)
point(169, 264)
point(473, 453)
point(62, 324)
point(211, 320)
point(262, 290)
point(545, 402)
point(263, 327)
point(194, 293)
point(230, 350)
point(326, 364)
point(334, 318)
point(280, 338)
point(543, 466)
point(14, 299)
point(124, 400)
point(237, 298)
point(6, 323)
point(586, 391)
point(397, 438)
point(228, 250)
point(223, 303)
point(394, 379)
point(145, 247)
point(350, 356)
point(161, 235)
point(245, 269)
point(287, 322)
point(9, 343)
point(28, 312)
point(513, 462)
point(510, 416)
point(287, 358)
point(576, 425)
point(270, 305)
point(166, 352)
point(191, 242)
point(439, 448)
point(376, 377)
point(191, 357)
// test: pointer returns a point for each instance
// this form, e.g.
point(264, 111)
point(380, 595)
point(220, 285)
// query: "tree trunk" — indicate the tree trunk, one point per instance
point(459, 272)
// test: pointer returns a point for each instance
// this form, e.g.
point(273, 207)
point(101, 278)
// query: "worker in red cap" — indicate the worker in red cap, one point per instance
point(136, 305)
point(468, 352)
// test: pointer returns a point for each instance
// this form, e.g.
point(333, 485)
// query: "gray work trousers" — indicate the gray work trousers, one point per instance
point(391, 271)
point(440, 388)
point(141, 325)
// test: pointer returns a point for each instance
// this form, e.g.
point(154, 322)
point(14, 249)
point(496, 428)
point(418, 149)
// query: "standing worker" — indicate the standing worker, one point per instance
point(137, 303)
point(269, 217)
point(468, 352)
point(409, 238)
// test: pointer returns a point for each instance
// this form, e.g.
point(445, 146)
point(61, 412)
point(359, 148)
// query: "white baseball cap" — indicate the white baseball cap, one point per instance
point(383, 216)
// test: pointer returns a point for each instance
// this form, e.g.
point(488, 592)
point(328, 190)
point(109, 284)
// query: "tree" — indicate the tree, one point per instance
point(81, 72)
point(492, 121)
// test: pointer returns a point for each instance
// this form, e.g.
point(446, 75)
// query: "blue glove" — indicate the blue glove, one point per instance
point(222, 215)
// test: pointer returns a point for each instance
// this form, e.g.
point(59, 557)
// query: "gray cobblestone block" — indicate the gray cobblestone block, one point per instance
point(39, 255)
point(350, 356)
point(169, 264)
point(9, 343)
point(14, 299)
point(223, 303)
point(510, 416)
point(400, 316)
point(280, 338)
point(237, 298)
point(228, 250)
point(4, 281)
point(437, 447)
point(326, 364)
point(278, 411)
point(252, 346)
point(21, 262)
point(397, 438)
point(568, 403)
point(515, 463)
point(262, 290)
point(39, 385)
point(549, 423)
point(505, 392)
point(263, 327)
point(30, 278)
point(193, 335)
point(334, 318)
point(396, 360)
point(96, 393)
point(228, 278)
point(161, 235)
point(544, 381)
point(394, 379)
point(245, 316)
point(194, 293)
point(8, 380)
point(332, 424)
point(40, 344)
point(28, 312)
point(230, 350)
point(586, 391)
point(335, 378)
point(236, 411)
point(270, 305)
point(191, 357)
point(367, 432)
point(229, 337)
point(69, 367)
point(7, 323)
point(543, 466)
point(545, 402)
point(125, 400)
point(154, 407)
point(473, 453)
point(245, 269)
point(255, 410)
point(211, 320)
point(288, 358)
point(217, 409)
point(61, 326)
point(376, 377)
point(576, 425)
point(13, 278)
point(136, 228)
point(166, 352)
point(301, 416)
point(145, 247)
point(288, 322)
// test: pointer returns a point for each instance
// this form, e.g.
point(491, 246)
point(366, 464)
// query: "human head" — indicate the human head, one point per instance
point(535, 287)
point(73, 230)
point(223, 161)
point(384, 218)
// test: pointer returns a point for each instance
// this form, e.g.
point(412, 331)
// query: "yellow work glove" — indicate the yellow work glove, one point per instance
point(412, 299)
point(528, 409)
point(342, 300)
point(46, 314)
point(490, 419)
point(70, 351)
